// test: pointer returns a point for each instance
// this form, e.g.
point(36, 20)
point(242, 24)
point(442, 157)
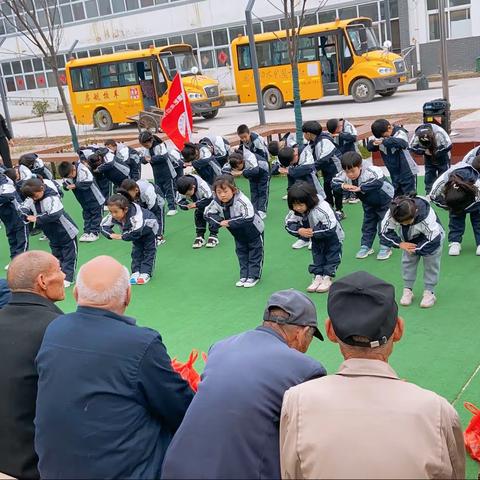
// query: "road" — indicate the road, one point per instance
point(463, 94)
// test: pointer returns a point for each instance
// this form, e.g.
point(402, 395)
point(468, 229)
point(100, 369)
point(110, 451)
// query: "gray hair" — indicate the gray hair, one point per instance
point(25, 268)
point(117, 291)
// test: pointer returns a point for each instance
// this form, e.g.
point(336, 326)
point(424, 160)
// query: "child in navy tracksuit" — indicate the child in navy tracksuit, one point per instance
point(252, 141)
point(164, 173)
point(458, 191)
point(327, 161)
point(375, 192)
point(312, 217)
point(113, 167)
point(433, 142)
point(344, 134)
point(232, 209)
point(16, 229)
point(257, 170)
point(128, 155)
point(36, 165)
point(471, 155)
point(79, 179)
point(90, 157)
point(412, 225)
point(219, 146)
point(138, 226)
point(195, 193)
point(392, 142)
point(202, 160)
point(44, 208)
point(148, 196)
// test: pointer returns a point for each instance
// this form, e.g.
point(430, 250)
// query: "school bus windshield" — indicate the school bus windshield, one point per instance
point(182, 62)
point(363, 39)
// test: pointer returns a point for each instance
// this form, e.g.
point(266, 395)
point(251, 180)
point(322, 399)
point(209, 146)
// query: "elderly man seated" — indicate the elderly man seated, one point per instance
point(108, 399)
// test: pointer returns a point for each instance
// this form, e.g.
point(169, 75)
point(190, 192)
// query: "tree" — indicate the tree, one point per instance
point(39, 109)
point(46, 40)
point(292, 31)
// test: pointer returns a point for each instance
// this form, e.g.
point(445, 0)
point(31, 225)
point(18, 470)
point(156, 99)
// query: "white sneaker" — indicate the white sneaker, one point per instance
point(143, 278)
point(42, 238)
point(134, 278)
point(317, 280)
point(262, 215)
point(94, 237)
point(6, 266)
point(85, 238)
point(171, 213)
point(251, 282)
point(67, 284)
point(325, 284)
point(300, 244)
point(310, 245)
point(199, 242)
point(241, 282)
point(407, 297)
point(285, 197)
point(478, 251)
point(212, 242)
point(428, 299)
point(455, 248)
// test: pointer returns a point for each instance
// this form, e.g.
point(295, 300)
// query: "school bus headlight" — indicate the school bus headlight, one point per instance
point(385, 71)
point(194, 96)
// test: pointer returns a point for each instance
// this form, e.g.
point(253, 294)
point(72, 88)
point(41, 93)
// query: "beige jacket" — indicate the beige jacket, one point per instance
point(364, 422)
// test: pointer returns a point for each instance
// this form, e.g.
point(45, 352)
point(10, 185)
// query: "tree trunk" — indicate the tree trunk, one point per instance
point(45, 126)
point(297, 106)
point(66, 107)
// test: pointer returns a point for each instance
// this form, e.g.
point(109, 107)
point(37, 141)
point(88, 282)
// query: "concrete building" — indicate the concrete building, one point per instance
point(106, 26)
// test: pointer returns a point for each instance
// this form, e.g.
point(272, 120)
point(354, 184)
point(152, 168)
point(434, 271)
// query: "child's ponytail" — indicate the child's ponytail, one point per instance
point(459, 194)
point(403, 208)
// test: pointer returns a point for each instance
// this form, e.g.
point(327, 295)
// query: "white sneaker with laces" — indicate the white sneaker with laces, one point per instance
point(94, 237)
point(199, 242)
point(67, 284)
point(84, 238)
point(212, 242)
point(241, 282)
point(285, 197)
point(300, 244)
point(428, 299)
point(171, 213)
point(134, 278)
point(251, 282)
point(454, 249)
point(325, 284)
point(407, 297)
point(262, 215)
point(317, 280)
point(143, 278)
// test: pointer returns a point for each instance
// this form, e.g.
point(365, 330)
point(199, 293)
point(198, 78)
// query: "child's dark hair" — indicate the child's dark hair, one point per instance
point(332, 125)
point(65, 169)
point(189, 151)
point(11, 173)
point(312, 126)
point(31, 186)
point(241, 129)
point(285, 156)
point(403, 208)
point(185, 183)
point(273, 148)
point(28, 160)
point(128, 184)
point(236, 160)
point(95, 160)
point(476, 163)
point(380, 127)
point(224, 181)
point(351, 160)
point(145, 137)
point(121, 199)
point(110, 143)
point(426, 138)
point(302, 192)
point(459, 194)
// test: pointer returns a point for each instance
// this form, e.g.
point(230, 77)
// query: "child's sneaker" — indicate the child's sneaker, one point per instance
point(212, 242)
point(6, 266)
point(428, 299)
point(251, 282)
point(300, 244)
point(285, 197)
point(454, 249)
point(241, 282)
point(171, 213)
point(84, 238)
point(317, 280)
point(407, 297)
point(364, 252)
point(384, 253)
point(67, 284)
point(353, 200)
point(93, 237)
point(134, 278)
point(199, 242)
point(325, 284)
point(160, 240)
point(478, 251)
point(42, 238)
point(262, 215)
point(340, 215)
point(143, 278)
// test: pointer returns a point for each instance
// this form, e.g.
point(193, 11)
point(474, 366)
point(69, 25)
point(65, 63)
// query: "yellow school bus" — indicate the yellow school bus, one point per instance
point(337, 58)
point(110, 89)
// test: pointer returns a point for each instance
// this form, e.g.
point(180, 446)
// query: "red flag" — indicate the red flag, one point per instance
point(177, 119)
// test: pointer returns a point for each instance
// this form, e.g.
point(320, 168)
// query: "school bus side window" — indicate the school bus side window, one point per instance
point(244, 60)
point(117, 74)
point(83, 79)
point(280, 53)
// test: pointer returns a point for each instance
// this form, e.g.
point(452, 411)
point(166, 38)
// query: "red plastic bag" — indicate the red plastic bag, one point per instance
point(472, 432)
point(187, 370)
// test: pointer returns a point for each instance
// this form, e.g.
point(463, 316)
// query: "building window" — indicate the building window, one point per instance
point(104, 8)
point(458, 19)
point(369, 10)
point(205, 39)
point(271, 26)
point(10, 84)
point(206, 59)
point(234, 32)
point(220, 37)
point(118, 6)
point(91, 8)
point(190, 39)
point(346, 13)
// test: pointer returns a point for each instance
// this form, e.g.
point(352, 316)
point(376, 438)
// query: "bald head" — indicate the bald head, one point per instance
point(36, 272)
point(103, 283)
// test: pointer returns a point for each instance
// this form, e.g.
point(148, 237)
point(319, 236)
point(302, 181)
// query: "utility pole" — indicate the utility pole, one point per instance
point(253, 57)
point(443, 49)
point(3, 94)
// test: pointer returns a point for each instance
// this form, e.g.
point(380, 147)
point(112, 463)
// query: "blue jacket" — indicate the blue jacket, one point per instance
point(108, 400)
point(231, 429)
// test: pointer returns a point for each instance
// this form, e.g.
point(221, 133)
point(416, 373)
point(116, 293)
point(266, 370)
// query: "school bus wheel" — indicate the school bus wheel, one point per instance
point(103, 120)
point(363, 90)
point(209, 115)
point(273, 99)
point(387, 93)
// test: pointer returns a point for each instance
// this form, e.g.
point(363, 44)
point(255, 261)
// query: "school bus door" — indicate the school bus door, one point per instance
point(328, 51)
point(160, 81)
point(309, 69)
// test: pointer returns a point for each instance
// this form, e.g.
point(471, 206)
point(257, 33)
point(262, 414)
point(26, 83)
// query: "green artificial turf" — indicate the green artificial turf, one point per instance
point(192, 300)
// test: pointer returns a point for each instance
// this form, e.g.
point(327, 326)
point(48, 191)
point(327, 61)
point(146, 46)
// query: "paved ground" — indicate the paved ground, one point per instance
point(463, 92)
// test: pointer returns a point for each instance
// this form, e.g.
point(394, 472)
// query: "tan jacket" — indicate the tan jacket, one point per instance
point(364, 422)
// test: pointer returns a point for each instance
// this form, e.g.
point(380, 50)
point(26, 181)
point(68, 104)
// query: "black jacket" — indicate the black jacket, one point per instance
point(4, 131)
point(22, 326)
